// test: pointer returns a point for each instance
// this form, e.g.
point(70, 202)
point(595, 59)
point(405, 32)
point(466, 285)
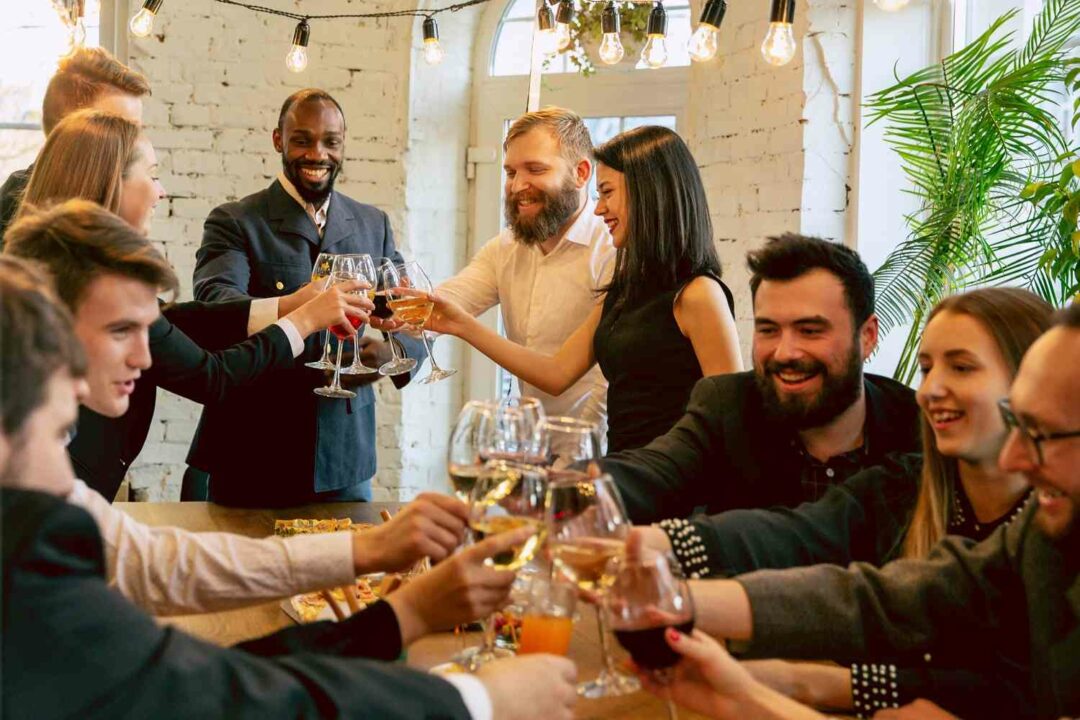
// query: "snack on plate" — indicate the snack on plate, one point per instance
point(302, 526)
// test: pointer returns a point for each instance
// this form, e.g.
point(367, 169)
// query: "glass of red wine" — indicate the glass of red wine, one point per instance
point(365, 268)
point(346, 269)
point(647, 597)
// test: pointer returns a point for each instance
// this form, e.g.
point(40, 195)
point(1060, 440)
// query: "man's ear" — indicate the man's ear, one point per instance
point(583, 172)
point(868, 336)
point(278, 144)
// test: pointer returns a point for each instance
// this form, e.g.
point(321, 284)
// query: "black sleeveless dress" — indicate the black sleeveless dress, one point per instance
point(650, 367)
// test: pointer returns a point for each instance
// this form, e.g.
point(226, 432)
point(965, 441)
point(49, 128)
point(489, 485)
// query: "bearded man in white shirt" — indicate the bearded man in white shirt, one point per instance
point(545, 268)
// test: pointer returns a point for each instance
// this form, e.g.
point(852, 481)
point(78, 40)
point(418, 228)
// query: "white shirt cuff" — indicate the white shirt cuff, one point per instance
point(473, 693)
point(263, 314)
point(295, 341)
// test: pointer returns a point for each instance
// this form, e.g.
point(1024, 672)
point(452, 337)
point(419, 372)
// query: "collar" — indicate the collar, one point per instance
point(317, 213)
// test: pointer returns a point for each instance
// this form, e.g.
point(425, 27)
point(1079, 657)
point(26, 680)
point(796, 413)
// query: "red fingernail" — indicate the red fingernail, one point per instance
point(673, 635)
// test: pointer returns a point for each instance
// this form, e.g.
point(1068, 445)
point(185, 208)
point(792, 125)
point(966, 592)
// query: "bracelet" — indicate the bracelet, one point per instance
point(688, 546)
point(873, 687)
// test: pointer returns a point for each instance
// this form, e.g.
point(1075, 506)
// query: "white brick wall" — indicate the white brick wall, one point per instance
point(773, 145)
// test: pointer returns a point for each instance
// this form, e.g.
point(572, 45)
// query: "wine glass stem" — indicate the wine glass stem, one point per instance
point(430, 354)
point(356, 348)
point(337, 367)
point(326, 349)
point(605, 641)
point(393, 346)
point(488, 625)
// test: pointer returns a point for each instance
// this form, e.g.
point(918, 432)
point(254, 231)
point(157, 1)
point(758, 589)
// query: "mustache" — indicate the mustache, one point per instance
point(526, 195)
point(805, 366)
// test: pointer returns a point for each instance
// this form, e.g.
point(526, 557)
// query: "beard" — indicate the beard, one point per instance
point(838, 391)
point(556, 209)
point(317, 193)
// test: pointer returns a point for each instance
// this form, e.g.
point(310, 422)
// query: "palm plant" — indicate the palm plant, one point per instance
point(976, 133)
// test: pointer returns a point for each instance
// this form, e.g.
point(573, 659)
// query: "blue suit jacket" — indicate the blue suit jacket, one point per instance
point(275, 442)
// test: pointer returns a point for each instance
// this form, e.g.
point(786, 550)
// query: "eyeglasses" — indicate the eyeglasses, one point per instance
point(1032, 438)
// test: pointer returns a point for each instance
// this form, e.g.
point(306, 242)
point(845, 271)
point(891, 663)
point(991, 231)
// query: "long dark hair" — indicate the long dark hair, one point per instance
point(669, 235)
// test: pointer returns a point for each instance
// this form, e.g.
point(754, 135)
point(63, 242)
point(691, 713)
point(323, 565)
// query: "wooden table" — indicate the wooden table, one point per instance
point(227, 628)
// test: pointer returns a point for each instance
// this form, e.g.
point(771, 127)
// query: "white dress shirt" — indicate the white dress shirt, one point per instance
point(264, 311)
point(543, 299)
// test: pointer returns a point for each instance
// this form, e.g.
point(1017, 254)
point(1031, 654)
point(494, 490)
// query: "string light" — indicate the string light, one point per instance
point(611, 49)
point(545, 29)
point(891, 5)
point(779, 45)
point(563, 19)
point(433, 52)
point(143, 23)
point(704, 43)
point(655, 53)
point(297, 59)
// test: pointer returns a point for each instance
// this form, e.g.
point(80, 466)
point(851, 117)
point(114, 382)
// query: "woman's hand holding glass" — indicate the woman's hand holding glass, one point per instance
point(348, 271)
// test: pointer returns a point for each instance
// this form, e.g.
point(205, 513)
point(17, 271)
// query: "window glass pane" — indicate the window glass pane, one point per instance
point(512, 48)
point(667, 121)
point(521, 9)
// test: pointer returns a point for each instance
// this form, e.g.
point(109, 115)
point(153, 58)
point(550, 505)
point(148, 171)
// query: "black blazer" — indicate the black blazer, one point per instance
point(11, 193)
point(725, 453)
point(103, 448)
point(74, 648)
point(276, 442)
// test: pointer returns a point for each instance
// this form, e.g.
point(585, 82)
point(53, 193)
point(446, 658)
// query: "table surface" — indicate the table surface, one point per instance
point(227, 628)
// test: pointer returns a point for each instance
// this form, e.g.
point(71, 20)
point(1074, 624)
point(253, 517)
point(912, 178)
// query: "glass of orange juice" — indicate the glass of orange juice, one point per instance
point(548, 620)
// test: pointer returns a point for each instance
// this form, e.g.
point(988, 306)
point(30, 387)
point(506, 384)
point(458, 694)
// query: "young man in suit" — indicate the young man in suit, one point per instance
point(276, 442)
point(72, 647)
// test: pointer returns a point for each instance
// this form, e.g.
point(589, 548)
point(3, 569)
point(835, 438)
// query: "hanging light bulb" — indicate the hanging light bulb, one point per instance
point(562, 24)
point(892, 5)
point(704, 42)
point(655, 54)
point(545, 29)
point(779, 45)
point(143, 23)
point(297, 58)
point(611, 49)
point(433, 52)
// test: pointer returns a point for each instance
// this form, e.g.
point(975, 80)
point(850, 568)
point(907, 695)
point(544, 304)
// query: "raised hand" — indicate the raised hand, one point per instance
point(331, 307)
point(432, 526)
point(531, 687)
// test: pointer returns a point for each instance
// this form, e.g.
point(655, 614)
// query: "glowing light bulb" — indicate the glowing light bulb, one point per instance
point(892, 5)
point(297, 59)
point(611, 49)
point(562, 36)
point(433, 52)
point(704, 43)
point(655, 54)
point(142, 24)
point(779, 45)
point(563, 18)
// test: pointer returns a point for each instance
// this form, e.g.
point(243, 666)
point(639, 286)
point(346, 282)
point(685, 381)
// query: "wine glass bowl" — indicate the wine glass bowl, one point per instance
point(365, 267)
point(393, 285)
point(508, 496)
point(320, 273)
point(469, 441)
point(346, 268)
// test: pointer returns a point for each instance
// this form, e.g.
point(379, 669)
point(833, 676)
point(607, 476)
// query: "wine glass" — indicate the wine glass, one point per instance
point(414, 310)
point(437, 373)
point(469, 443)
point(346, 269)
point(532, 414)
point(586, 528)
point(366, 269)
point(507, 496)
point(564, 441)
point(320, 272)
point(648, 595)
point(392, 281)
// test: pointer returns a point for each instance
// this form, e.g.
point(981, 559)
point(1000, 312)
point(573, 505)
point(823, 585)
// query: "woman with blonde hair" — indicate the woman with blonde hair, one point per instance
point(107, 159)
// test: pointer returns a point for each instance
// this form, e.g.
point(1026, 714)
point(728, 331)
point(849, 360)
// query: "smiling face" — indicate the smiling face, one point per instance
point(112, 322)
point(612, 204)
point(543, 191)
point(807, 353)
point(964, 374)
point(1046, 397)
point(311, 141)
point(140, 189)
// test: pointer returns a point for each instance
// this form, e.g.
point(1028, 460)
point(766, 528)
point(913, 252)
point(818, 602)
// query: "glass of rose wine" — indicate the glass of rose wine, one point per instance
point(320, 273)
point(507, 496)
point(366, 269)
point(346, 269)
point(586, 529)
point(394, 287)
point(648, 596)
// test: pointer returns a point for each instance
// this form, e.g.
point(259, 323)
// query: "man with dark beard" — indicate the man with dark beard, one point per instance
point(275, 442)
point(544, 269)
point(806, 418)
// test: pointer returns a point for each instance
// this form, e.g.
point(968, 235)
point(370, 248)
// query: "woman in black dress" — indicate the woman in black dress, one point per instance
point(666, 320)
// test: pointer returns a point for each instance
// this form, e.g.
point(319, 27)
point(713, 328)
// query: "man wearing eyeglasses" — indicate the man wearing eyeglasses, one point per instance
point(1009, 603)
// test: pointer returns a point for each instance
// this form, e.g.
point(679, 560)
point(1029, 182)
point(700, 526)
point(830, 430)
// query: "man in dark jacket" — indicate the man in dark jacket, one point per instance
point(276, 442)
point(805, 419)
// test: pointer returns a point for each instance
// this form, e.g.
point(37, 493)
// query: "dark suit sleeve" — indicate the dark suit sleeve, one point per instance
point(372, 633)
point(83, 651)
point(213, 326)
point(182, 367)
point(862, 520)
point(664, 478)
point(410, 347)
point(222, 268)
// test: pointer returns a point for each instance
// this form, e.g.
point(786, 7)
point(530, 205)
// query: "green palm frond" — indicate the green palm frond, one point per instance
point(982, 149)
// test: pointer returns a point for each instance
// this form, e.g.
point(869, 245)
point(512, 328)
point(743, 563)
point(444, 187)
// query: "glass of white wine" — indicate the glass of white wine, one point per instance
point(507, 496)
point(320, 273)
point(469, 442)
point(395, 287)
point(586, 529)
